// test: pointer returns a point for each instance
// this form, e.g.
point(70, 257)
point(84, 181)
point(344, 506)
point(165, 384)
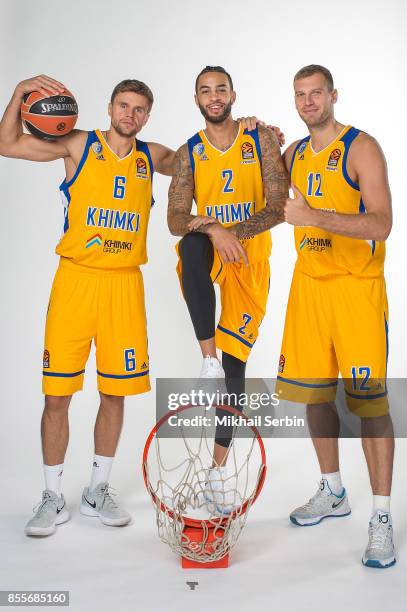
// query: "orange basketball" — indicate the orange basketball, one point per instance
point(49, 117)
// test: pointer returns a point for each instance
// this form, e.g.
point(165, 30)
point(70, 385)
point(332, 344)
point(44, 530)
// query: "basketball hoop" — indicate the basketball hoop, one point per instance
point(176, 472)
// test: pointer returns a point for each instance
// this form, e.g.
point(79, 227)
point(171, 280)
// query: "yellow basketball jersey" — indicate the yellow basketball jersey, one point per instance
point(323, 179)
point(107, 206)
point(229, 185)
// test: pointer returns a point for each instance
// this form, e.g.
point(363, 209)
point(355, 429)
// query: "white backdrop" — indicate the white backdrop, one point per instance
point(90, 46)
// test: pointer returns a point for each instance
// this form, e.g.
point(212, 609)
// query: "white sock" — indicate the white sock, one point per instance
point(100, 471)
point(381, 502)
point(53, 477)
point(334, 482)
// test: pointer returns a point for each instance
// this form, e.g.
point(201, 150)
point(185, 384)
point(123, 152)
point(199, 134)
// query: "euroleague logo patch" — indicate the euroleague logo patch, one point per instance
point(141, 167)
point(334, 158)
point(281, 364)
point(247, 151)
point(45, 359)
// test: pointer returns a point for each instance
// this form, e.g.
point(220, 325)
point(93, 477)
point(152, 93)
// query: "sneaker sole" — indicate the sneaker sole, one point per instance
point(379, 564)
point(106, 521)
point(319, 520)
point(46, 531)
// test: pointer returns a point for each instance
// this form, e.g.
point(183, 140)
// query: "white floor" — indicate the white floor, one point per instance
point(274, 566)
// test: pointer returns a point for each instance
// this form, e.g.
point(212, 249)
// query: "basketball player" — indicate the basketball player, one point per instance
point(98, 289)
point(239, 184)
point(337, 316)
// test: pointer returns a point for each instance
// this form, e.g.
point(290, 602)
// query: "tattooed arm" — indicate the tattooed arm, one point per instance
point(180, 194)
point(179, 216)
point(275, 185)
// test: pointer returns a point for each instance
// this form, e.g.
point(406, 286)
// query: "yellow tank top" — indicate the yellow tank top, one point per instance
point(323, 179)
point(229, 185)
point(107, 207)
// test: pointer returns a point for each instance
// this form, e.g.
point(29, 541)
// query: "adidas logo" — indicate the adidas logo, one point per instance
point(143, 366)
point(95, 464)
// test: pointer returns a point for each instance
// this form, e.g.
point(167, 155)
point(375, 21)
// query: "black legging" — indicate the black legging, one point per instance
point(196, 252)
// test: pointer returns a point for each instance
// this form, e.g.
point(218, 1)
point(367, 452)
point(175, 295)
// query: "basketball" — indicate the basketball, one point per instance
point(49, 117)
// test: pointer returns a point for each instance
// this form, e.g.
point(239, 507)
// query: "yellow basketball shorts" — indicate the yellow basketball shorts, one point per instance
point(104, 306)
point(244, 293)
point(336, 324)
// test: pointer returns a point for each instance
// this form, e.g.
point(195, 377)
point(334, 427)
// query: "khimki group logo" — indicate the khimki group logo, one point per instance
point(315, 244)
point(95, 240)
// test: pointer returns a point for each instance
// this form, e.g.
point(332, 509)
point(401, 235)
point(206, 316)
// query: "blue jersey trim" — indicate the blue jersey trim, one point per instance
point(255, 135)
point(347, 140)
point(220, 270)
point(230, 333)
point(65, 190)
point(366, 397)
point(136, 375)
point(362, 210)
point(306, 139)
point(92, 137)
point(63, 374)
point(191, 142)
point(143, 147)
point(308, 385)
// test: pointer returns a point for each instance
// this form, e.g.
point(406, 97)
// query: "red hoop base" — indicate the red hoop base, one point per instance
point(195, 535)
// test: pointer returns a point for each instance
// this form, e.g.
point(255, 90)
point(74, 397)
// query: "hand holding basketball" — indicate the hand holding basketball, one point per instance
point(48, 109)
point(43, 84)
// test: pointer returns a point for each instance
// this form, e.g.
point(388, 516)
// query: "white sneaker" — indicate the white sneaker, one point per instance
point(49, 512)
point(380, 549)
point(324, 504)
point(211, 368)
point(99, 502)
point(220, 498)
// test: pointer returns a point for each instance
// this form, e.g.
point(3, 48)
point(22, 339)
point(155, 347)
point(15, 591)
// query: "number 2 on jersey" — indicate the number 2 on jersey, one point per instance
point(228, 175)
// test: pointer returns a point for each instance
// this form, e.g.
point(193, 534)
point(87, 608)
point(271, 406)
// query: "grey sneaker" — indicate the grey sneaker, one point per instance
point(99, 502)
point(49, 512)
point(323, 505)
point(380, 549)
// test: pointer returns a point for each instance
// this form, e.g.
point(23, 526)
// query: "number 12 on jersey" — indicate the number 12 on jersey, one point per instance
point(314, 185)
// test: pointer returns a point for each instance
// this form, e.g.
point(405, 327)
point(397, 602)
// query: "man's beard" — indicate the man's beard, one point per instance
point(120, 131)
point(218, 118)
point(319, 122)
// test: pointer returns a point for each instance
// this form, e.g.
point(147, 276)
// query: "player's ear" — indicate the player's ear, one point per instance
point(196, 99)
point(233, 97)
point(334, 95)
point(109, 109)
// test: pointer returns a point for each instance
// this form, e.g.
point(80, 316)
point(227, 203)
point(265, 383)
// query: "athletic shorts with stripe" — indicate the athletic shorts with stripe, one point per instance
point(104, 306)
point(244, 293)
point(336, 324)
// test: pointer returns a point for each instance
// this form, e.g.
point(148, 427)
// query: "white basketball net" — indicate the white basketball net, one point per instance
point(218, 501)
